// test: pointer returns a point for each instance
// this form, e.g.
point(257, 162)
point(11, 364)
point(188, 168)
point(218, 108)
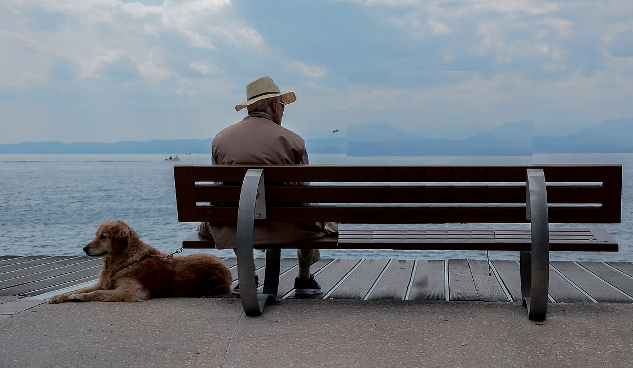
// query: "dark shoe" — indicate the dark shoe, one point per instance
point(307, 287)
point(236, 289)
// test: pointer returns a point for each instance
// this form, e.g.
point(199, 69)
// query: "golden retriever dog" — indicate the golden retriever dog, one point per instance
point(133, 271)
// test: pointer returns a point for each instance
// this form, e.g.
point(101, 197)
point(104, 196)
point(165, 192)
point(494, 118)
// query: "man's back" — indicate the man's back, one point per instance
point(257, 140)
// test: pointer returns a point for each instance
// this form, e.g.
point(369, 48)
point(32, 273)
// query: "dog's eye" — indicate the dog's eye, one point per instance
point(102, 236)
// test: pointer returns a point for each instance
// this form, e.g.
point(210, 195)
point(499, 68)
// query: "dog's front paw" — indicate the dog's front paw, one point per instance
point(59, 298)
point(77, 297)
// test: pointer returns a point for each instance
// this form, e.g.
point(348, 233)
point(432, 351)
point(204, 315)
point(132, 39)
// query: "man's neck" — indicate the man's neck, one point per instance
point(260, 114)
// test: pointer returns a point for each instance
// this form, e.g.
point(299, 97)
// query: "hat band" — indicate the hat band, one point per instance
point(263, 94)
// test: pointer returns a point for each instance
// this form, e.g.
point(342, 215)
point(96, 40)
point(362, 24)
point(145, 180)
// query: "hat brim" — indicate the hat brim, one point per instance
point(286, 98)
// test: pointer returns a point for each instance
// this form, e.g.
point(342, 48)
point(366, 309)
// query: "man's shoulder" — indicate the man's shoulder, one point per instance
point(254, 127)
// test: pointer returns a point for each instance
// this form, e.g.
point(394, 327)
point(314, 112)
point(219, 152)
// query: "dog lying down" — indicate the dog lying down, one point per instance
point(133, 271)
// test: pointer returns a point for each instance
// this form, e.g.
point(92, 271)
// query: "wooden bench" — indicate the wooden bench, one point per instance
point(534, 195)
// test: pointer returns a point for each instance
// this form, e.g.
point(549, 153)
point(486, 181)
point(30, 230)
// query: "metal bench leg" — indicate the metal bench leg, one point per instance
point(271, 282)
point(252, 206)
point(535, 264)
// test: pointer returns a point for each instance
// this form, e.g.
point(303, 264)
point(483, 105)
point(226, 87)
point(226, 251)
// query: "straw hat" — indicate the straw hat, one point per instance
point(262, 89)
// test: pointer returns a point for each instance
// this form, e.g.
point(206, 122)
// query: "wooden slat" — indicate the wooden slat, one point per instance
point(38, 286)
point(29, 275)
point(487, 286)
point(588, 239)
point(626, 267)
point(394, 282)
point(598, 279)
point(357, 285)
point(510, 275)
point(276, 195)
point(461, 286)
point(32, 264)
point(604, 191)
point(564, 292)
point(613, 277)
point(408, 214)
point(428, 283)
point(11, 261)
point(342, 173)
point(588, 282)
point(197, 241)
point(335, 271)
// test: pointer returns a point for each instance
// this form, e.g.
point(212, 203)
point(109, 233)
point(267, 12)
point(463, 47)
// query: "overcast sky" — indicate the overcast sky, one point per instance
point(114, 70)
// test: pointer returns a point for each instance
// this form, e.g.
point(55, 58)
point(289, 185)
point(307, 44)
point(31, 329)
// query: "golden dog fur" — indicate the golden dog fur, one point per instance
point(134, 271)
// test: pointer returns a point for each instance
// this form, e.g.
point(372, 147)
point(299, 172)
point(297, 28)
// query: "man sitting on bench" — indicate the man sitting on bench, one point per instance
point(260, 139)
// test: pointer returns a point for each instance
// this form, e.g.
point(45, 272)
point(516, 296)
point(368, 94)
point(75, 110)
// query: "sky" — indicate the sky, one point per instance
point(117, 70)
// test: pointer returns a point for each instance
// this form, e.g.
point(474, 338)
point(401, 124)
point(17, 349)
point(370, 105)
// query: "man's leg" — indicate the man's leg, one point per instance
point(305, 284)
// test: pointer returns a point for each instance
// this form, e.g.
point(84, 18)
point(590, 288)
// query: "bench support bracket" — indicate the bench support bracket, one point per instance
point(535, 263)
point(252, 206)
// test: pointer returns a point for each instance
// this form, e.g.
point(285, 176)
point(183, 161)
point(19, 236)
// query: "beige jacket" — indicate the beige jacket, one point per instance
point(256, 140)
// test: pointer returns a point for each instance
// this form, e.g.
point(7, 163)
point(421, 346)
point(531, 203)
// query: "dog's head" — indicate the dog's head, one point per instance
point(111, 238)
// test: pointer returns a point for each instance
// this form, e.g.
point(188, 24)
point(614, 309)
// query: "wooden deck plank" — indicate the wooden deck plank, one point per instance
point(562, 291)
point(487, 286)
point(428, 282)
point(230, 262)
point(460, 281)
point(592, 285)
point(35, 281)
point(357, 285)
point(53, 283)
point(259, 263)
point(509, 273)
point(4, 260)
point(353, 278)
point(334, 272)
point(626, 267)
point(42, 269)
point(11, 264)
point(615, 278)
point(394, 282)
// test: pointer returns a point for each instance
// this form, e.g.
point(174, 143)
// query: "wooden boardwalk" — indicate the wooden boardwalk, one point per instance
point(28, 281)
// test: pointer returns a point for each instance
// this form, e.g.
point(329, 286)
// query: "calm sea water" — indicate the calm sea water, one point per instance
point(52, 204)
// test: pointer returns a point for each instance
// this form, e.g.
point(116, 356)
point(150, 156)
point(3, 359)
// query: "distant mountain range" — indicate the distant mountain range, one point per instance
point(383, 139)
point(610, 136)
point(176, 146)
point(509, 139)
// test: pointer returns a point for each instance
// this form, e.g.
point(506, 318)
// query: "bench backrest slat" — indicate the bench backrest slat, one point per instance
point(402, 194)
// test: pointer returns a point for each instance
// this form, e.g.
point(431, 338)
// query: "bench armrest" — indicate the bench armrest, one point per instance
point(252, 206)
point(535, 264)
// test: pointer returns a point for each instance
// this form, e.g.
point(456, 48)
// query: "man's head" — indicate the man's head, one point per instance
point(264, 95)
point(271, 106)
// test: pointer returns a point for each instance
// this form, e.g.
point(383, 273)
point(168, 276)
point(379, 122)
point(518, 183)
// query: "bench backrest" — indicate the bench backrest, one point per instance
point(402, 194)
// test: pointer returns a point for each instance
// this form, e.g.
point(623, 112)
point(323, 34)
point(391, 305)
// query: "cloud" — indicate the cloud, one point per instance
point(204, 68)
point(622, 44)
point(99, 34)
point(408, 99)
point(309, 70)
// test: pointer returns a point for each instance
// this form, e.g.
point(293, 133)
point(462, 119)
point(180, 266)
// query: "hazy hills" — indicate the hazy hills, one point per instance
point(168, 147)
point(383, 139)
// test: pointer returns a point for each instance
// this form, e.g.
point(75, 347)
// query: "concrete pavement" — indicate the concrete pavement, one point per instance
point(213, 332)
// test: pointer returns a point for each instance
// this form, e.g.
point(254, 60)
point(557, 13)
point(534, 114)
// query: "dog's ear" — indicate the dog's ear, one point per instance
point(119, 230)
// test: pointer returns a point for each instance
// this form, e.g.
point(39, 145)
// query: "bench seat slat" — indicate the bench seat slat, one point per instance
point(586, 239)
point(407, 214)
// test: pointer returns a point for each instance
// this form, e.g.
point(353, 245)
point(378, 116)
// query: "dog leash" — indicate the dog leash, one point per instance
point(170, 255)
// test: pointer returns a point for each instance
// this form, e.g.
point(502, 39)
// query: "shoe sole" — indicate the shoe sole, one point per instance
point(307, 292)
